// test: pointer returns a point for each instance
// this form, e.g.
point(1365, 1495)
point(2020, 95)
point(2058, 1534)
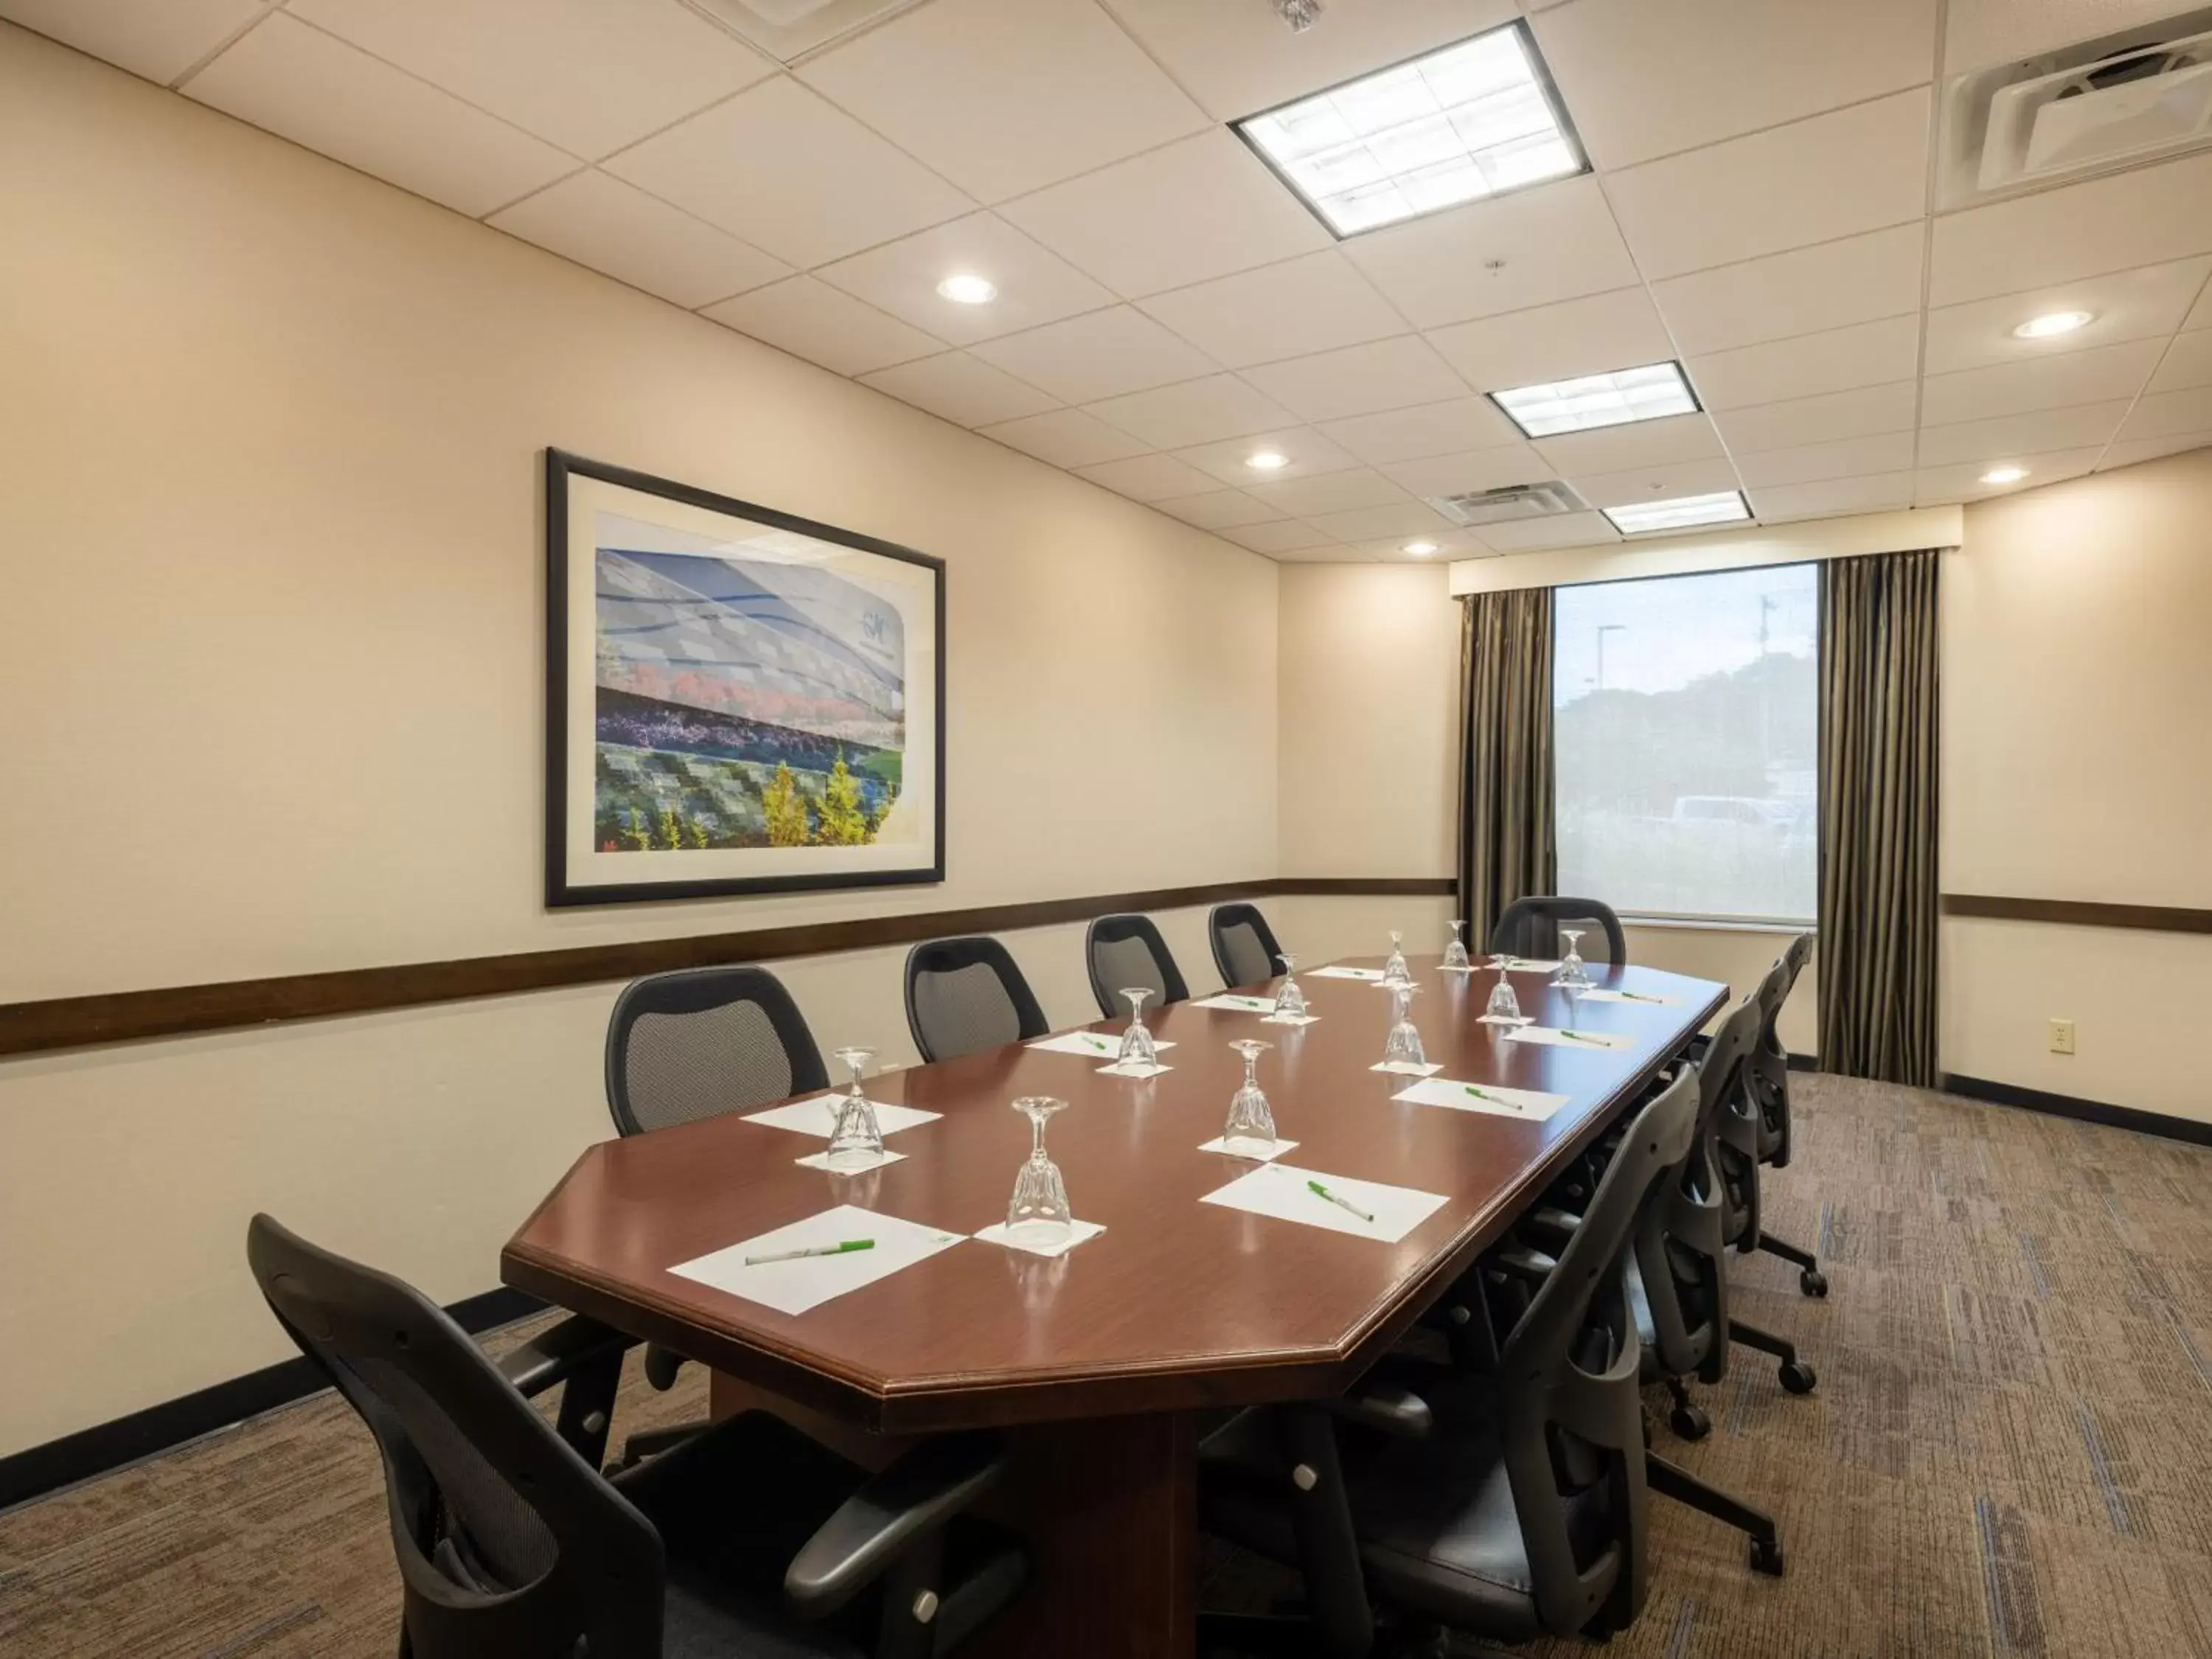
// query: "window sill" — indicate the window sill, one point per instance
point(1715, 925)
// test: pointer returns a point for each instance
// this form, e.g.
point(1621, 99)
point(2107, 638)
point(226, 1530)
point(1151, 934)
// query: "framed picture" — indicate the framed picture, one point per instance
point(737, 701)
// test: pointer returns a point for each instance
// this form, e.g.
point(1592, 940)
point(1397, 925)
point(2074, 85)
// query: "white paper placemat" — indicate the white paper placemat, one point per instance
point(1259, 1151)
point(1140, 1073)
point(1405, 1068)
point(1647, 999)
point(1373, 975)
point(1092, 1043)
point(819, 1116)
point(1289, 1020)
point(1530, 965)
point(1236, 1004)
point(1280, 1190)
point(821, 1161)
point(1530, 1103)
point(1556, 1037)
point(1078, 1232)
point(793, 1287)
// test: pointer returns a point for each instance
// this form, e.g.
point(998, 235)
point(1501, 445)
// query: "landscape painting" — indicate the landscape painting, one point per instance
point(742, 701)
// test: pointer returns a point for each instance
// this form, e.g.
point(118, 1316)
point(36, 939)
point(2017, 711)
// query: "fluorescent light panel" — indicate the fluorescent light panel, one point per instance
point(1456, 125)
point(1648, 393)
point(1680, 513)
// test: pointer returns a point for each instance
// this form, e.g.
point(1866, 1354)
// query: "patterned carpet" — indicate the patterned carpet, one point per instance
point(2010, 1452)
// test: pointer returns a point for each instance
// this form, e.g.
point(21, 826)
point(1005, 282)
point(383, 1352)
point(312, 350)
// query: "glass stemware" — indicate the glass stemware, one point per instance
point(1136, 1048)
point(1038, 1213)
point(1250, 1118)
point(1290, 1001)
point(856, 1139)
point(1456, 953)
point(1394, 971)
point(1573, 971)
point(1403, 1045)
point(1504, 1008)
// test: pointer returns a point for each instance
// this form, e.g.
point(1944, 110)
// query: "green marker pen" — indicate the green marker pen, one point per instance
point(1494, 1100)
point(1340, 1203)
point(845, 1248)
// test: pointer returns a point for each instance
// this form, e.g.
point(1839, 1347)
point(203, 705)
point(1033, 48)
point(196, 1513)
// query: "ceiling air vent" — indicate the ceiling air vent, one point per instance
point(786, 30)
point(1511, 504)
point(2098, 107)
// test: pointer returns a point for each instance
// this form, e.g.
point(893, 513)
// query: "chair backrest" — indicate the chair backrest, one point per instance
point(1127, 950)
point(1573, 1415)
point(1530, 928)
point(965, 994)
point(705, 1040)
point(507, 1540)
point(1244, 947)
point(1767, 1076)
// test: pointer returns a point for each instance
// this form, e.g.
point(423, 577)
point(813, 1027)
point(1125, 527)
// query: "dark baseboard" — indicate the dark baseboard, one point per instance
point(2087, 1111)
point(1804, 1062)
point(109, 1446)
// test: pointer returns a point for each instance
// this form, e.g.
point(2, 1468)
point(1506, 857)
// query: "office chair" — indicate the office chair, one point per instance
point(1515, 1504)
point(748, 1540)
point(1530, 928)
point(1767, 1078)
point(1128, 950)
point(963, 995)
point(1244, 948)
point(694, 1044)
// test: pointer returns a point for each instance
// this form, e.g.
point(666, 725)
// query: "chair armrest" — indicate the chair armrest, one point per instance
point(555, 1355)
point(1398, 1412)
point(922, 1491)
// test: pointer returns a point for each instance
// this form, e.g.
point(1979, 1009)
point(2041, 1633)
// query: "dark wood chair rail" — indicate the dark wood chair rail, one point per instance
point(2080, 913)
point(182, 1009)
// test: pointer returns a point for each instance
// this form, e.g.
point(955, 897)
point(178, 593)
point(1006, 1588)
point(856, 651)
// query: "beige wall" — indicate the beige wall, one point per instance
point(270, 699)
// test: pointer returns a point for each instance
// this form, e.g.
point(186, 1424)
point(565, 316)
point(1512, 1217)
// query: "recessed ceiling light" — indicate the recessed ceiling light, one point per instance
point(1421, 550)
point(964, 289)
point(1678, 513)
point(1626, 394)
point(1266, 460)
point(2004, 475)
point(2054, 322)
point(1466, 121)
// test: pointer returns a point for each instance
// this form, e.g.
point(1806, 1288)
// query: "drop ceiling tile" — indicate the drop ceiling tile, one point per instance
point(1305, 453)
point(1933, 486)
point(2146, 217)
point(2074, 377)
point(2187, 363)
point(1656, 483)
point(2168, 413)
point(1004, 96)
point(1837, 174)
point(1331, 492)
point(1846, 457)
point(1327, 553)
point(302, 84)
point(1587, 335)
point(157, 39)
point(1219, 510)
point(1532, 248)
point(1838, 360)
point(1201, 411)
point(2127, 305)
point(961, 389)
point(1149, 478)
point(1192, 211)
point(586, 75)
point(1636, 443)
point(2136, 451)
point(639, 239)
point(1100, 355)
point(1283, 536)
point(1360, 379)
point(791, 173)
point(1804, 291)
point(1982, 31)
point(1450, 544)
point(1838, 415)
point(1471, 470)
point(2011, 436)
point(1065, 437)
point(813, 321)
point(1732, 66)
point(1568, 530)
point(1035, 286)
point(1825, 498)
point(1368, 524)
point(1408, 434)
point(1313, 303)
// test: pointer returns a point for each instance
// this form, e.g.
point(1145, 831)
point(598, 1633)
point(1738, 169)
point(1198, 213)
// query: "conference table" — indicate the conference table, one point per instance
point(1100, 1364)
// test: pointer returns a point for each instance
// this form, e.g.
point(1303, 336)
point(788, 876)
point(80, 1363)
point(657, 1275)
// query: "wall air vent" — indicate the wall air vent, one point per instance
point(1511, 504)
point(786, 30)
point(2115, 102)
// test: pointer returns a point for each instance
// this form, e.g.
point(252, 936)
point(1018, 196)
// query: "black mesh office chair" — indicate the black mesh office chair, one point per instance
point(1767, 1078)
point(1530, 928)
point(1244, 947)
point(964, 994)
point(749, 1541)
point(1516, 1505)
point(694, 1044)
point(1128, 950)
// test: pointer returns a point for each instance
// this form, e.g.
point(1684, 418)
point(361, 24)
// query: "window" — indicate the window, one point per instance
point(1687, 733)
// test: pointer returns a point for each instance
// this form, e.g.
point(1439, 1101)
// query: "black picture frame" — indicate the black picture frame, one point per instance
point(562, 467)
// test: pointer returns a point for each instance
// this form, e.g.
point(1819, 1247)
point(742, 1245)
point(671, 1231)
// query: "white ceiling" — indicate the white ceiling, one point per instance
point(1760, 211)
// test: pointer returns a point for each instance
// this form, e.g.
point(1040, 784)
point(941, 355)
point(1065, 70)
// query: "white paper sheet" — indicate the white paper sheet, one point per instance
point(1370, 974)
point(1405, 1068)
point(1280, 1190)
point(1554, 1037)
point(1139, 1072)
point(1235, 1004)
point(1530, 965)
point(819, 1116)
point(1531, 1104)
point(1088, 1044)
point(793, 1287)
point(1078, 1232)
point(1259, 1151)
point(1634, 998)
point(821, 1161)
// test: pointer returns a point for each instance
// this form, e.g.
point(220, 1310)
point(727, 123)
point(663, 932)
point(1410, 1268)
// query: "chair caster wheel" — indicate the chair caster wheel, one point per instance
point(1797, 1376)
point(1689, 1422)
point(1766, 1556)
point(1812, 1282)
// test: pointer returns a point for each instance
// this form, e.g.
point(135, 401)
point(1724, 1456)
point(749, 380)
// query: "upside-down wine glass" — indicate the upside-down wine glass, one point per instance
point(1574, 972)
point(1250, 1118)
point(1038, 1213)
point(1456, 953)
point(1394, 971)
point(1504, 1007)
point(1290, 1001)
point(1403, 1045)
point(856, 1139)
point(1136, 1048)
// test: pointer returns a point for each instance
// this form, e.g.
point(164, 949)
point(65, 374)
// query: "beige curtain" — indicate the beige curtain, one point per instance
point(1506, 849)
point(1878, 748)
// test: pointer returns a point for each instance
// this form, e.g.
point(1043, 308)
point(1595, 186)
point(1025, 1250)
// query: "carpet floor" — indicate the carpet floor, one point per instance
point(2010, 1453)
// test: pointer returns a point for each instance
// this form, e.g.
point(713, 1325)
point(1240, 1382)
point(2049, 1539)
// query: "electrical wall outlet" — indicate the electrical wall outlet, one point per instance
point(2062, 1036)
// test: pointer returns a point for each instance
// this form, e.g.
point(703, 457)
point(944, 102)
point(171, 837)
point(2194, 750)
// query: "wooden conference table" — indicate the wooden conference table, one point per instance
point(1098, 1363)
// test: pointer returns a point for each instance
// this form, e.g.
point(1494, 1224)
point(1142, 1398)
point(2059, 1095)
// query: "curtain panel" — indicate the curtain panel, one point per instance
point(1506, 844)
